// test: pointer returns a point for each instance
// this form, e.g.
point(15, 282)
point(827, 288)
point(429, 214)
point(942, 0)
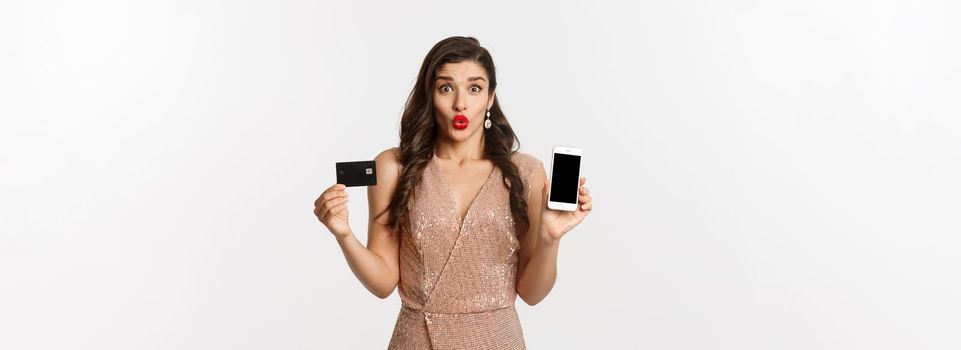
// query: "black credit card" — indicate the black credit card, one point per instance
point(362, 173)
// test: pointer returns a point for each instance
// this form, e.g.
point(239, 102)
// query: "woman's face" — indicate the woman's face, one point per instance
point(461, 95)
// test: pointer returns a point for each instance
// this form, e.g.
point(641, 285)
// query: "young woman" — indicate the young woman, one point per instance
point(467, 228)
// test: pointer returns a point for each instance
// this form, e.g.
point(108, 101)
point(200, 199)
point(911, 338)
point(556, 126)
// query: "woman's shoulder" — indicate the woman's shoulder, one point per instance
point(393, 150)
point(388, 160)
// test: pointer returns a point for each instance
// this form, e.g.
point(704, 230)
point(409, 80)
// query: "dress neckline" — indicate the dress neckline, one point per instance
point(450, 193)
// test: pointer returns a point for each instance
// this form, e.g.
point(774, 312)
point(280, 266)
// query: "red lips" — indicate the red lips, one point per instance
point(461, 122)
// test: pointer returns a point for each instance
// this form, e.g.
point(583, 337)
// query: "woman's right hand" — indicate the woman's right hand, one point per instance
point(331, 209)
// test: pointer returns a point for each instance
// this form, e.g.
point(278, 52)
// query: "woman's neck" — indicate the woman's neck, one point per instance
point(459, 152)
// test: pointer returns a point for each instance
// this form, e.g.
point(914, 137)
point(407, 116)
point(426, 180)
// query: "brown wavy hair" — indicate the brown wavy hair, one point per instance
point(418, 131)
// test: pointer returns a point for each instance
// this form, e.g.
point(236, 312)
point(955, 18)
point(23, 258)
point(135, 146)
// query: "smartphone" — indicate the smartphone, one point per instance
point(565, 178)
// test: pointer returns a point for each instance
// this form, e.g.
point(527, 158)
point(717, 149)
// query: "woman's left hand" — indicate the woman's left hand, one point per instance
point(555, 223)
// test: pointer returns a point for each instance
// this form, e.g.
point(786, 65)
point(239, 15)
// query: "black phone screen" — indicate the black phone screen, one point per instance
point(564, 182)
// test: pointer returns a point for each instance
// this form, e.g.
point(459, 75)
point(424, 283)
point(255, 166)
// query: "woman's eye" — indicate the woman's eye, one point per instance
point(447, 88)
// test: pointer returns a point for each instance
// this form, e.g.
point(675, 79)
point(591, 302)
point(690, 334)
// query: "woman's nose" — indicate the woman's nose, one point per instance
point(460, 102)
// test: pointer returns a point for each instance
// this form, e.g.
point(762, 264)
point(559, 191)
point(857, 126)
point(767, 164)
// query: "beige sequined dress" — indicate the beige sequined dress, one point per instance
point(457, 279)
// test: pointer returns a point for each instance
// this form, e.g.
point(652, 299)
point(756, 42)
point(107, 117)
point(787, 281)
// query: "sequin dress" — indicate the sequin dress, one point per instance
point(457, 279)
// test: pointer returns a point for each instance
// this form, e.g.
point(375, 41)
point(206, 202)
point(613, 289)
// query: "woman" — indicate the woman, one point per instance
point(458, 238)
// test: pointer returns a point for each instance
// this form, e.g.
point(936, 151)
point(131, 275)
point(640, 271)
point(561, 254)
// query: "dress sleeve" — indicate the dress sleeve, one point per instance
point(534, 165)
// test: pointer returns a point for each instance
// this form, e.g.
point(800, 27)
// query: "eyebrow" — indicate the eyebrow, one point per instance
point(444, 77)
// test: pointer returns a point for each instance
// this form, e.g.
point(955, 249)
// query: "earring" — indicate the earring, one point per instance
point(487, 123)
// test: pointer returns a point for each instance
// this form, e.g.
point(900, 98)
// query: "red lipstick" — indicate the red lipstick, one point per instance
point(461, 122)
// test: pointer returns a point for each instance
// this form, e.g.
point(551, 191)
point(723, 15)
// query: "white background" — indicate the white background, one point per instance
point(766, 174)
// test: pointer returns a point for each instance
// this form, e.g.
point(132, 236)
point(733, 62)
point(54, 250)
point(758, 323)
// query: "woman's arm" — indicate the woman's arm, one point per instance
point(537, 267)
point(376, 266)
point(537, 278)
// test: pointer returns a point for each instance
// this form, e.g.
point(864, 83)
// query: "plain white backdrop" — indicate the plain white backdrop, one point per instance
point(765, 174)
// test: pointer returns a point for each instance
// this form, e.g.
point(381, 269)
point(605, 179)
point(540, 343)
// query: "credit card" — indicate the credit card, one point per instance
point(360, 173)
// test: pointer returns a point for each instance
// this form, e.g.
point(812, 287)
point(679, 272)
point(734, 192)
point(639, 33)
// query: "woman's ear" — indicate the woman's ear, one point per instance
point(491, 103)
